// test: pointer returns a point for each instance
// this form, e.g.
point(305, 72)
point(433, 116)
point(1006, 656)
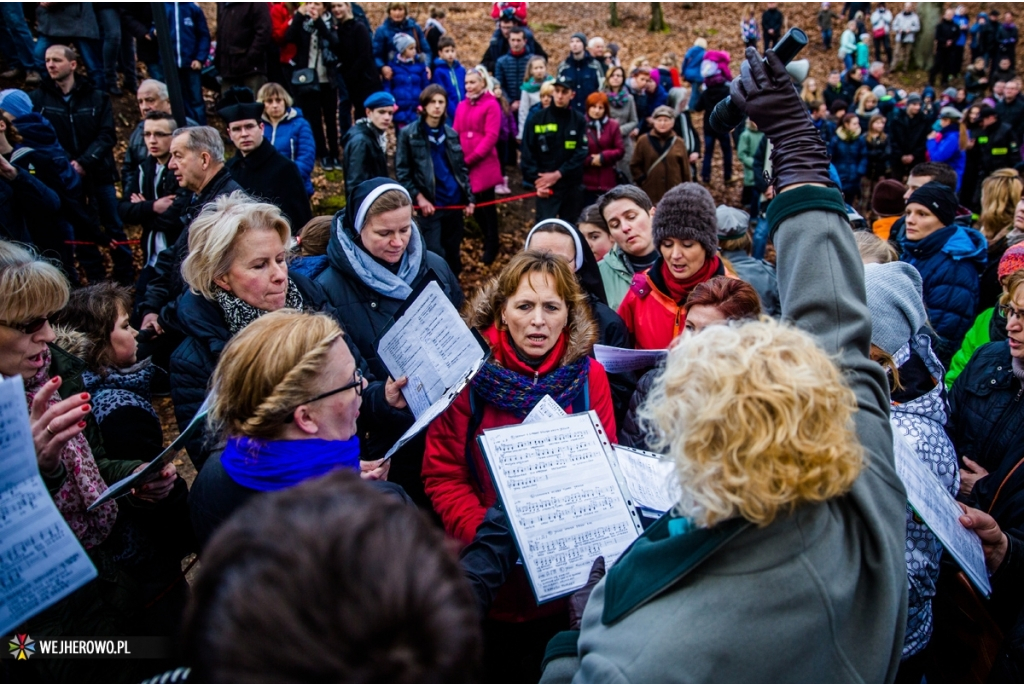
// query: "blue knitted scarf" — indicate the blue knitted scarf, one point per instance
point(270, 465)
point(518, 394)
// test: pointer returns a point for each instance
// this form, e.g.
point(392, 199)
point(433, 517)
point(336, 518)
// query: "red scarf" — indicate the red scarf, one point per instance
point(680, 290)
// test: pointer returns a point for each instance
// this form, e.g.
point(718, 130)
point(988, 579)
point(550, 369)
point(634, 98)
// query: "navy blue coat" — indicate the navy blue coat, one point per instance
point(850, 158)
point(986, 407)
point(406, 83)
point(950, 261)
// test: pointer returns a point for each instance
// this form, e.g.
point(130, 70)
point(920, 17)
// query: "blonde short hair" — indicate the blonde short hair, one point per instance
point(31, 286)
point(758, 421)
point(271, 367)
point(874, 250)
point(273, 90)
point(215, 233)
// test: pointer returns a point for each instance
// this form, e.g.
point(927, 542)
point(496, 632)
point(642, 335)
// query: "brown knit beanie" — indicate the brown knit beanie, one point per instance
point(687, 212)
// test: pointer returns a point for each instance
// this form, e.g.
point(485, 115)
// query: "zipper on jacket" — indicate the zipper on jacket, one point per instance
point(536, 375)
point(675, 329)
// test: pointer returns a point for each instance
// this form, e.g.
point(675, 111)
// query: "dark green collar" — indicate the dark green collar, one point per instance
point(804, 199)
point(67, 366)
point(656, 561)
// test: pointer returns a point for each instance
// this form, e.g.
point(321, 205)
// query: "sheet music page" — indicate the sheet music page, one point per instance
point(41, 560)
point(651, 478)
point(545, 410)
point(619, 359)
point(940, 512)
point(563, 501)
point(431, 344)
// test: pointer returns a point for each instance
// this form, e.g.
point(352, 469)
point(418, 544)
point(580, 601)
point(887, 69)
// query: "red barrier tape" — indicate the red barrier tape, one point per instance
point(489, 203)
point(113, 243)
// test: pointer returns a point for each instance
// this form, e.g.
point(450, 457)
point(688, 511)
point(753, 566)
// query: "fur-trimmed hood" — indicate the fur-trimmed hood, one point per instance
point(479, 313)
point(72, 342)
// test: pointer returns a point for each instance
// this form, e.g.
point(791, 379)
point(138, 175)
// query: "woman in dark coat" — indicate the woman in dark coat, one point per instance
point(376, 255)
point(605, 148)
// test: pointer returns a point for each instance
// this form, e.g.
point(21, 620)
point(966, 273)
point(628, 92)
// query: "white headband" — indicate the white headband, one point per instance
point(572, 231)
point(368, 201)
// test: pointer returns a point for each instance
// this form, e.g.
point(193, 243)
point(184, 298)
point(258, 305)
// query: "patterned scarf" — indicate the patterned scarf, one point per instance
point(518, 394)
point(83, 484)
point(618, 100)
point(238, 314)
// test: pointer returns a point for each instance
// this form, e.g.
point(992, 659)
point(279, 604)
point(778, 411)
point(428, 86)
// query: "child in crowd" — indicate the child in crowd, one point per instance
point(593, 227)
point(506, 138)
point(449, 74)
point(864, 51)
point(529, 93)
point(408, 79)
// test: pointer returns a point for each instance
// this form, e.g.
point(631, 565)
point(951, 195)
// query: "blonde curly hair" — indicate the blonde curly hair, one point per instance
point(271, 367)
point(758, 421)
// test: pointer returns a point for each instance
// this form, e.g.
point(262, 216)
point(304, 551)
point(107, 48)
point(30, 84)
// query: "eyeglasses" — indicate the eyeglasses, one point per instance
point(1007, 311)
point(28, 327)
point(356, 385)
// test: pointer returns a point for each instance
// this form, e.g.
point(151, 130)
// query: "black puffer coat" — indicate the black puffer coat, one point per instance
point(986, 407)
point(84, 124)
point(192, 364)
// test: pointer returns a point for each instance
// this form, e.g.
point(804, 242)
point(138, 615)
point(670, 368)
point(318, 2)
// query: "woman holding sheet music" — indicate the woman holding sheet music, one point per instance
point(376, 254)
point(537, 322)
point(76, 470)
point(783, 559)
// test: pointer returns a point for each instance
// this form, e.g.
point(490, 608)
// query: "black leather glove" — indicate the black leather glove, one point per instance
point(579, 599)
point(766, 93)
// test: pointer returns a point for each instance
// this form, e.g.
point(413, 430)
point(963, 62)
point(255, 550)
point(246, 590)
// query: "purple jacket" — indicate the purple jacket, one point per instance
point(479, 124)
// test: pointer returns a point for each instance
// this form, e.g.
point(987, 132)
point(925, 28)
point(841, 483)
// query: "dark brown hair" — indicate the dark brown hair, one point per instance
point(428, 94)
point(331, 581)
point(93, 311)
point(13, 137)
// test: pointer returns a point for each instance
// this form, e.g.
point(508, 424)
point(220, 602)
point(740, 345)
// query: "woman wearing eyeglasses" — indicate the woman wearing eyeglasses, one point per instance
point(237, 271)
point(987, 400)
point(286, 398)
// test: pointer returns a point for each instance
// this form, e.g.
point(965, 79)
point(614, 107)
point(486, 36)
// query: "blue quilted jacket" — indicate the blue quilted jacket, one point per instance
point(850, 159)
point(406, 84)
point(950, 261)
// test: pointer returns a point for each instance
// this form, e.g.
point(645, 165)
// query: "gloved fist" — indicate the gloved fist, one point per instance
point(765, 92)
point(579, 599)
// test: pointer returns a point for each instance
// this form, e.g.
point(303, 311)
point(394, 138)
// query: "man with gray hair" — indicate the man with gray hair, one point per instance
point(197, 161)
point(597, 51)
point(152, 96)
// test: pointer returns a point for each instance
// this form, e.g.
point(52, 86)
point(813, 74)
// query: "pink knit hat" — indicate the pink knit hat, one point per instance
point(1012, 260)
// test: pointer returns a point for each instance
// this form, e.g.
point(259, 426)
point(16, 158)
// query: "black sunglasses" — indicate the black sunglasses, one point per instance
point(28, 327)
point(356, 385)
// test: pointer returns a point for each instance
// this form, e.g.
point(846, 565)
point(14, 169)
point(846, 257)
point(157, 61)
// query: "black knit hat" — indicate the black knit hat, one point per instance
point(939, 199)
point(687, 212)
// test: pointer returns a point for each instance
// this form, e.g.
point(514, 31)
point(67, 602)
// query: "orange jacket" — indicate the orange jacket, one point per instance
point(883, 227)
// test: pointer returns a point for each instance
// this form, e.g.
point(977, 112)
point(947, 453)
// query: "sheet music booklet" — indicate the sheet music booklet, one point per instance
point(428, 342)
point(566, 500)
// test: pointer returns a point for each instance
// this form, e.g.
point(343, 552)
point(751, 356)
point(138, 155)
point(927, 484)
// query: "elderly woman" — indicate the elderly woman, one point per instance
point(70, 453)
point(720, 300)
point(783, 559)
point(537, 322)
point(685, 230)
point(286, 396)
point(237, 271)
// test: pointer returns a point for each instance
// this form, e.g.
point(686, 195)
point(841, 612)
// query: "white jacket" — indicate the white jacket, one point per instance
point(906, 26)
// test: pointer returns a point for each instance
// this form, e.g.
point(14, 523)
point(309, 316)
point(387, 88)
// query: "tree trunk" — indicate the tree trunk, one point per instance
point(614, 21)
point(924, 49)
point(657, 19)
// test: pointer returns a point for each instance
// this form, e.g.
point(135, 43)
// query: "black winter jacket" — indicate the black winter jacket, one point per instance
point(363, 313)
point(986, 407)
point(268, 175)
point(364, 157)
point(908, 136)
point(192, 364)
point(352, 43)
point(141, 213)
point(630, 432)
point(137, 153)
point(414, 167)
point(499, 47)
point(555, 139)
point(84, 126)
point(999, 148)
point(244, 38)
point(166, 284)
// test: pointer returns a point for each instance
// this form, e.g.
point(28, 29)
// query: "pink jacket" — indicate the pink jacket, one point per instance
point(479, 124)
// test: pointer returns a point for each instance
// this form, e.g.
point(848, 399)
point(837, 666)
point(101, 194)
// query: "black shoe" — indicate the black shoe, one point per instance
point(326, 164)
point(490, 254)
point(336, 163)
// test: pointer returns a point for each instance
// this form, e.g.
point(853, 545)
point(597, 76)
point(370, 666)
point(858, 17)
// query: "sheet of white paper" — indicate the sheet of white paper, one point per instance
point(545, 410)
point(940, 512)
point(651, 479)
point(436, 409)
point(558, 486)
point(431, 344)
point(41, 560)
point(619, 360)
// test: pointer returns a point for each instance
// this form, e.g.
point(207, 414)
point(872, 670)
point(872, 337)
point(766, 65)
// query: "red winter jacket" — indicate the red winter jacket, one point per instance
point(653, 318)
point(609, 145)
point(280, 18)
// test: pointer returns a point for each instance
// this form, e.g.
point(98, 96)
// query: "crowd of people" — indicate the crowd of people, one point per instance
point(868, 290)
